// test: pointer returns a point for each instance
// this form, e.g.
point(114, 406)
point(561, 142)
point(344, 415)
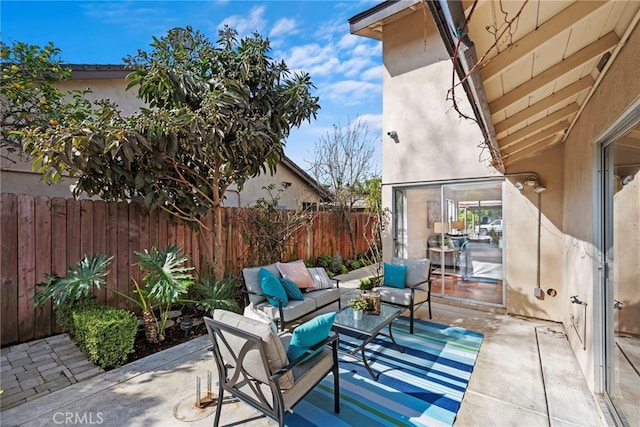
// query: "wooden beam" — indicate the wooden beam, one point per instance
point(538, 125)
point(545, 103)
point(549, 29)
point(527, 142)
point(582, 56)
point(530, 151)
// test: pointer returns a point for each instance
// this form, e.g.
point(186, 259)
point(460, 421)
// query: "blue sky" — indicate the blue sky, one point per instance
point(308, 35)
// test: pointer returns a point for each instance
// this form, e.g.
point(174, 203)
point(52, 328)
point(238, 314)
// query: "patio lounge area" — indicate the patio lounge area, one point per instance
point(526, 374)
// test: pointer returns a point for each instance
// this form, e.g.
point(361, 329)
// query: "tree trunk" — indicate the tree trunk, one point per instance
point(150, 329)
point(346, 217)
point(218, 262)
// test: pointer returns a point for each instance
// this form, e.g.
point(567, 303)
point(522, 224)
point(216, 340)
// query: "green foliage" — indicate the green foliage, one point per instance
point(336, 263)
point(105, 335)
point(213, 294)
point(166, 278)
point(89, 273)
point(365, 284)
point(64, 311)
point(324, 260)
point(218, 114)
point(166, 281)
point(29, 73)
point(358, 303)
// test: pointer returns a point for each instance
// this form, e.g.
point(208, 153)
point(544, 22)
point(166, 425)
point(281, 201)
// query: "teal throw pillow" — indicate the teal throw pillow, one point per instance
point(309, 334)
point(270, 285)
point(292, 290)
point(394, 275)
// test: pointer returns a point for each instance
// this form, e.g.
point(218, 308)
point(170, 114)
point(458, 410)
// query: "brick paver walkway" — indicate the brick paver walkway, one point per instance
point(39, 367)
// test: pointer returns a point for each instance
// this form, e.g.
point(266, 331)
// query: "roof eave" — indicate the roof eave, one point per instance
point(473, 85)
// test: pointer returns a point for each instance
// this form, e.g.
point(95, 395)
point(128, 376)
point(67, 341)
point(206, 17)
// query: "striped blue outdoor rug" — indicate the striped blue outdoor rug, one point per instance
point(423, 386)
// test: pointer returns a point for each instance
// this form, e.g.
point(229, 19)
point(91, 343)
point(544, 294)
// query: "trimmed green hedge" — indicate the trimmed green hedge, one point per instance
point(106, 335)
point(64, 312)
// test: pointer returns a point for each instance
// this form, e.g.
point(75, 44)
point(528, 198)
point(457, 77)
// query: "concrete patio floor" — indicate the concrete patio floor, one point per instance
point(525, 375)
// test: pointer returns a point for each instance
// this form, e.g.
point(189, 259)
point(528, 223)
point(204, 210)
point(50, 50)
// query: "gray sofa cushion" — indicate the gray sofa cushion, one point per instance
point(292, 311)
point(252, 281)
point(324, 296)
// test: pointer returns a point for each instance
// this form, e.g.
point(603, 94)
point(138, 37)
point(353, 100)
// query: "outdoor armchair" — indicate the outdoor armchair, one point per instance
point(253, 367)
point(416, 290)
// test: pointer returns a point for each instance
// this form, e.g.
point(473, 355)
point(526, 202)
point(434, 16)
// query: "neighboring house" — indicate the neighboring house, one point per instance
point(554, 153)
point(109, 81)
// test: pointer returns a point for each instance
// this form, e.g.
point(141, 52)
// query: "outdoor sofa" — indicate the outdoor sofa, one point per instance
point(316, 288)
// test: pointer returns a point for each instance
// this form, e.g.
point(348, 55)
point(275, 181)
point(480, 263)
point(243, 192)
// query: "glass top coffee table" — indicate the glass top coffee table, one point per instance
point(367, 328)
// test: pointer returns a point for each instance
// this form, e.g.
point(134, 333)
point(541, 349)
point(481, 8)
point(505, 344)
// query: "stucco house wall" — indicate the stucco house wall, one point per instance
point(434, 143)
point(609, 102)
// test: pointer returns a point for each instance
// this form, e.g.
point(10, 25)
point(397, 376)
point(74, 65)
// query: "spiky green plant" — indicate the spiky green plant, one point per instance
point(213, 294)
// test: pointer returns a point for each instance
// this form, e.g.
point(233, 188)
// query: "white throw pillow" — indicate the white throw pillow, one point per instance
point(252, 312)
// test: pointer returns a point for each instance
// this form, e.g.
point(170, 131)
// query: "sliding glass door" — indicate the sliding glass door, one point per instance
point(458, 226)
point(621, 197)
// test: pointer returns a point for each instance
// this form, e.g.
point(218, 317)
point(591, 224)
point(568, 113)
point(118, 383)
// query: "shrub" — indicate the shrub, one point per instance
point(336, 263)
point(64, 311)
point(324, 261)
point(105, 335)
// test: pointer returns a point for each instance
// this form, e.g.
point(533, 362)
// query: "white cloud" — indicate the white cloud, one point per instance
point(349, 92)
point(373, 73)
point(246, 25)
point(284, 27)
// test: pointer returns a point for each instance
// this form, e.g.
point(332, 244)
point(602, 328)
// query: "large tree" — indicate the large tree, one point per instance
point(217, 114)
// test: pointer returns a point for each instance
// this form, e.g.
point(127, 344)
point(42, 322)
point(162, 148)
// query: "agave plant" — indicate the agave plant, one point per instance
point(213, 294)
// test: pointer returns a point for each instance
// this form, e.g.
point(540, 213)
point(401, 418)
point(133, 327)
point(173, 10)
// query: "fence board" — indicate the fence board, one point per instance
point(43, 313)
point(43, 235)
point(99, 239)
point(73, 231)
point(26, 267)
point(9, 268)
point(58, 243)
point(112, 250)
point(122, 271)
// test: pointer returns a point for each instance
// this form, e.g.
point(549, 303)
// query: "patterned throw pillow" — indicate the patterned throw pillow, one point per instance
point(320, 278)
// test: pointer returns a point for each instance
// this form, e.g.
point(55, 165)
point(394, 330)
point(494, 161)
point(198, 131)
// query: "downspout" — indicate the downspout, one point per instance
point(473, 84)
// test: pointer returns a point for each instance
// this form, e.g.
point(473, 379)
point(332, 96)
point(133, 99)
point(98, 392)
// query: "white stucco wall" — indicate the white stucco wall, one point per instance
point(616, 93)
point(433, 142)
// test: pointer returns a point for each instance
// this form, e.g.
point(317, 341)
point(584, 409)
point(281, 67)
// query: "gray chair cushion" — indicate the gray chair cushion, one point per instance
point(417, 270)
point(400, 296)
point(274, 350)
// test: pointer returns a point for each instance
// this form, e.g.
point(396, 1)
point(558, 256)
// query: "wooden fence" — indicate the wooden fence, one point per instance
point(43, 235)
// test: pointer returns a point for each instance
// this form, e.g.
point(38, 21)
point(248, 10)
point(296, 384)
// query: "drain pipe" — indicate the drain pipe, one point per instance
point(537, 292)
